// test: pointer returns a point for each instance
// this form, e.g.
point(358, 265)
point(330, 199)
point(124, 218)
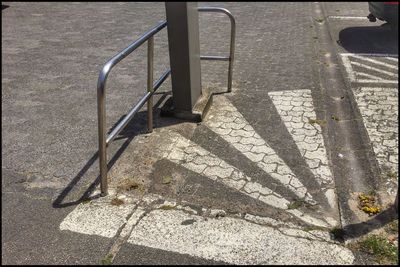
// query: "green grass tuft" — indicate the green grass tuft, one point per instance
point(107, 260)
point(380, 248)
point(167, 207)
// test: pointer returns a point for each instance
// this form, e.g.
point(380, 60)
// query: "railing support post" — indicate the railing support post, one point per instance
point(231, 52)
point(150, 56)
point(232, 43)
point(101, 113)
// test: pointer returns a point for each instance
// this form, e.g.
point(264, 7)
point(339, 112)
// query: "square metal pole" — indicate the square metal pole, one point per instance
point(184, 51)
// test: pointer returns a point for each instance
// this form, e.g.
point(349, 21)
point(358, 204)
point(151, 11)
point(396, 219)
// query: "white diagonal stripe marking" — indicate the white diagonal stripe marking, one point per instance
point(374, 69)
point(376, 62)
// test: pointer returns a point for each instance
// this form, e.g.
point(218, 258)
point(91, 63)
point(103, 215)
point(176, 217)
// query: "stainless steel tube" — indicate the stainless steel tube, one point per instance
point(101, 86)
point(101, 114)
point(232, 51)
point(163, 77)
point(128, 117)
point(232, 44)
point(150, 55)
point(215, 58)
point(120, 56)
point(136, 108)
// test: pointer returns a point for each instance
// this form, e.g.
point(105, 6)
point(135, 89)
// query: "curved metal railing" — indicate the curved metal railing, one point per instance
point(104, 139)
point(148, 97)
point(232, 43)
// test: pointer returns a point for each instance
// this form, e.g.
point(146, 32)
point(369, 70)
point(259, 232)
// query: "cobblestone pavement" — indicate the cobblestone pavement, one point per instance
point(234, 129)
point(252, 184)
point(296, 111)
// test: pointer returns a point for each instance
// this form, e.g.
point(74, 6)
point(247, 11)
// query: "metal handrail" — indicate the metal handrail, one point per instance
point(232, 44)
point(148, 97)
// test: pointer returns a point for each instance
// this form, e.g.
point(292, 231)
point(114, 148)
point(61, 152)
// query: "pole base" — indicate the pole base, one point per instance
point(198, 112)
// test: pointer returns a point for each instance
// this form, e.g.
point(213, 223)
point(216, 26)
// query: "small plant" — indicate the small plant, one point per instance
point(383, 251)
point(393, 227)
point(127, 185)
point(86, 201)
point(167, 179)
point(392, 174)
point(333, 117)
point(314, 228)
point(107, 260)
point(117, 202)
point(319, 20)
point(167, 207)
point(297, 204)
point(320, 122)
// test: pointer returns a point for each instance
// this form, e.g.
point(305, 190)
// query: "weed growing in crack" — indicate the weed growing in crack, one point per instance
point(117, 202)
point(107, 260)
point(380, 248)
point(167, 207)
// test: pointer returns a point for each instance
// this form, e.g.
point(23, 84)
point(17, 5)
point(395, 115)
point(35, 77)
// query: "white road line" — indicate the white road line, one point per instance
point(370, 76)
point(395, 67)
point(229, 123)
point(101, 218)
point(296, 110)
point(392, 57)
point(349, 69)
point(374, 69)
point(376, 81)
point(234, 240)
point(348, 17)
point(184, 152)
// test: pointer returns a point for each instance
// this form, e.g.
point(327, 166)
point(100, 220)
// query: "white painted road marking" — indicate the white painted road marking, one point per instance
point(380, 68)
point(374, 69)
point(97, 218)
point(348, 17)
point(377, 62)
point(373, 77)
point(229, 239)
point(233, 240)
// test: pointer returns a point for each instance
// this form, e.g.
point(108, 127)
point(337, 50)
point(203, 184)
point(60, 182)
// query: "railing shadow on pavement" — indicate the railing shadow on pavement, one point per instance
point(369, 40)
point(135, 127)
